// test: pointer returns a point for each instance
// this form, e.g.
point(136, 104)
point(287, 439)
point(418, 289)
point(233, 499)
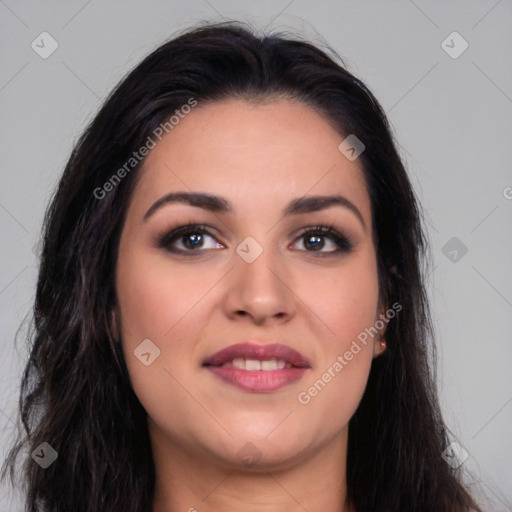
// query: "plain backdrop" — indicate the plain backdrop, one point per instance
point(451, 113)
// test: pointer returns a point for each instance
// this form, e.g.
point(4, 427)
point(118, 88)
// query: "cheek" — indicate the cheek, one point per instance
point(335, 388)
point(346, 302)
point(160, 304)
point(155, 298)
point(171, 305)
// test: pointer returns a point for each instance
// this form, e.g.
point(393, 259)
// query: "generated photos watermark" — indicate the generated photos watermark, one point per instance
point(143, 151)
point(304, 397)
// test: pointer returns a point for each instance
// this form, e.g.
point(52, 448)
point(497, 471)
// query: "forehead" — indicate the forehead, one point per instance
point(253, 154)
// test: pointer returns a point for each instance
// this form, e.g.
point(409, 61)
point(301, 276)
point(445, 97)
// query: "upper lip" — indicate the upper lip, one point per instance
point(259, 353)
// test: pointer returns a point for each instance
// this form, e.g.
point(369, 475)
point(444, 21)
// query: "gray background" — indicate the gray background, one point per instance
point(452, 118)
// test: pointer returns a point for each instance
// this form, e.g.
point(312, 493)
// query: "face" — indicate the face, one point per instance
point(251, 279)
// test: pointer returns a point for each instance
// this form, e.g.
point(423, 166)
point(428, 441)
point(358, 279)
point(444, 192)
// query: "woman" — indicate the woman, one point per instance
point(230, 312)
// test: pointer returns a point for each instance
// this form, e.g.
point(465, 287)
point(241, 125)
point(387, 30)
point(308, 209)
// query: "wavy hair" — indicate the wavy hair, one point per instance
point(76, 393)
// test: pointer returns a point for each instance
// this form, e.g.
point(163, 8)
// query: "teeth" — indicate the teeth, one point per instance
point(254, 364)
point(271, 364)
point(238, 363)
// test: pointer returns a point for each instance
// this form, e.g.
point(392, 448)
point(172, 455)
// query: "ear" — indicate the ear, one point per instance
point(379, 346)
point(379, 343)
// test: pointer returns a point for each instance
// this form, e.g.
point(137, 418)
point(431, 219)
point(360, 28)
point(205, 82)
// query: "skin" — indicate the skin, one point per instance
point(259, 156)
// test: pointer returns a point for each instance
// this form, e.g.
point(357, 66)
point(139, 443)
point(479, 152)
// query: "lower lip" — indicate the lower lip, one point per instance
point(258, 381)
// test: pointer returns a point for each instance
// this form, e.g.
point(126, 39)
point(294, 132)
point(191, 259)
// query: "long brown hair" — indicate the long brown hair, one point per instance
point(76, 393)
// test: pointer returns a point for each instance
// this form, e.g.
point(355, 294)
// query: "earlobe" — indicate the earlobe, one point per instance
point(379, 346)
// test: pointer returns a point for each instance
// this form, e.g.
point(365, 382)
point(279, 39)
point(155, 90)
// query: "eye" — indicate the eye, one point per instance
point(314, 240)
point(188, 238)
point(192, 238)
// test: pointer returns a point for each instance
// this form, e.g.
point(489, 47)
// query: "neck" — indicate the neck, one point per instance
point(195, 482)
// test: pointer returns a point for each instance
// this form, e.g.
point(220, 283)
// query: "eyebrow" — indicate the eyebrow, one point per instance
point(212, 203)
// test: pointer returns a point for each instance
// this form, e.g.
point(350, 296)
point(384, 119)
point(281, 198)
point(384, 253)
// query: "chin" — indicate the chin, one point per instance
point(262, 446)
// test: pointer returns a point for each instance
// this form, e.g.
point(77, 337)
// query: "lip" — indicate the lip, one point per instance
point(258, 352)
point(258, 381)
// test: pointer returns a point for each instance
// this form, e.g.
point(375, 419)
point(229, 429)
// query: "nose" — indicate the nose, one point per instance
point(261, 291)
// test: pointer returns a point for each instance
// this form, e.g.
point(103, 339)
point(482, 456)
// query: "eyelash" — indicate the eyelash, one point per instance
point(343, 242)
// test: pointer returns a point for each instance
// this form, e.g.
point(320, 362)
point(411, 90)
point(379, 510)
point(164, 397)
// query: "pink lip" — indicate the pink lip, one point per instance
point(259, 381)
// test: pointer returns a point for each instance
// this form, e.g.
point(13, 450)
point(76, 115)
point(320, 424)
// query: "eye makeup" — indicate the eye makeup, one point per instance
point(192, 235)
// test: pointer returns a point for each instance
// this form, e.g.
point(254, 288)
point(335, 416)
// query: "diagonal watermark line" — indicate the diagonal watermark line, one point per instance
point(425, 14)
point(197, 401)
point(509, 507)
point(8, 417)
point(15, 75)
point(274, 225)
point(80, 79)
point(492, 81)
point(433, 270)
point(12, 280)
point(493, 210)
point(491, 419)
point(413, 87)
point(13, 13)
point(13, 217)
point(301, 300)
point(278, 14)
point(223, 17)
point(502, 296)
point(429, 222)
point(74, 16)
point(284, 489)
point(217, 486)
point(485, 15)
point(280, 423)
point(198, 301)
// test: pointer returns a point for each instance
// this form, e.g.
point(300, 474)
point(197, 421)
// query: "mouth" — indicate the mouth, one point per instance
point(258, 368)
